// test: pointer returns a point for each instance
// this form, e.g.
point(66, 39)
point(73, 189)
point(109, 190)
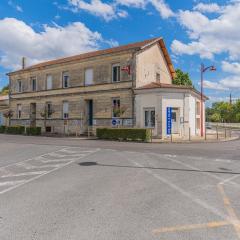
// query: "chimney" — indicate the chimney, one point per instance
point(23, 63)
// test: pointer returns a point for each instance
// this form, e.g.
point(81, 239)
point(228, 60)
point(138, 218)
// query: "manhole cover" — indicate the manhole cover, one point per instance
point(87, 164)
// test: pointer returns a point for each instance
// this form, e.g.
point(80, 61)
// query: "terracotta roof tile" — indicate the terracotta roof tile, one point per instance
point(89, 55)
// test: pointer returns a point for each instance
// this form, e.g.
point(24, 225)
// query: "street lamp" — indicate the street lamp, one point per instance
point(203, 70)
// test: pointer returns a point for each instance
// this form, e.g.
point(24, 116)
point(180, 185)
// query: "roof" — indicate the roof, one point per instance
point(132, 46)
point(4, 97)
point(155, 85)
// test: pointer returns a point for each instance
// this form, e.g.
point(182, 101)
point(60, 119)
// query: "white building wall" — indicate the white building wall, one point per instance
point(185, 102)
point(148, 63)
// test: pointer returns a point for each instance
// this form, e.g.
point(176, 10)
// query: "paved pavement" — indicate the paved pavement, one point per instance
point(68, 189)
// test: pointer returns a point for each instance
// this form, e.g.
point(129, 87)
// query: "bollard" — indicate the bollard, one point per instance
point(171, 138)
point(205, 134)
point(225, 133)
point(217, 132)
point(189, 134)
point(230, 132)
point(151, 135)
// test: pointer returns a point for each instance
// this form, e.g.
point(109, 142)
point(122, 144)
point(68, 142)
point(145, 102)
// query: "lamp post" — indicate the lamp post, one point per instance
point(203, 70)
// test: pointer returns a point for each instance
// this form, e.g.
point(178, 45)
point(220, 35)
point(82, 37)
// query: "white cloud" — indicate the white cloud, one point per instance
point(209, 37)
point(214, 85)
point(112, 10)
point(233, 68)
point(231, 81)
point(98, 8)
point(19, 39)
point(17, 7)
point(208, 8)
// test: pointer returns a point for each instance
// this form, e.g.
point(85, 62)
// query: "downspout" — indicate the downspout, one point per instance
point(133, 86)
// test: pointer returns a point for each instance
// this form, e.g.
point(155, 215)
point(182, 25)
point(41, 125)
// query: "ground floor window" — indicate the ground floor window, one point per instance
point(116, 107)
point(149, 115)
point(65, 110)
point(49, 110)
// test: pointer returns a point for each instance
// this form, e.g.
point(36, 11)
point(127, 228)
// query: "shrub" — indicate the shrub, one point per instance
point(33, 131)
point(130, 134)
point(15, 130)
point(2, 129)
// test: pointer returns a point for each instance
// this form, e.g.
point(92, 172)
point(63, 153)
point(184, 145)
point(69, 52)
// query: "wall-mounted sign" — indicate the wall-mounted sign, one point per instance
point(116, 122)
point(169, 120)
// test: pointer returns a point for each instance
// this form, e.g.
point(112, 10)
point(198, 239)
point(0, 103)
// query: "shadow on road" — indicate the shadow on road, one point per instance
point(226, 171)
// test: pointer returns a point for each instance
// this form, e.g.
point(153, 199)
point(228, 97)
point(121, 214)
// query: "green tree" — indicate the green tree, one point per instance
point(216, 117)
point(182, 78)
point(5, 90)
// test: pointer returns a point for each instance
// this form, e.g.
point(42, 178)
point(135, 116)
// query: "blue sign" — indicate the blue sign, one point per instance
point(169, 120)
point(114, 122)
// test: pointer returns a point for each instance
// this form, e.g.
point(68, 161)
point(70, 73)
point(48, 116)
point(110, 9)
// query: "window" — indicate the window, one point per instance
point(158, 77)
point(49, 110)
point(34, 83)
point(49, 82)
point(149, 115)
point(19, 111)
point(198, 106)
point(88, 76)
point(116, 107)
point(65, 110)
point(116, 73)
point(65, 79)
point(19, 86)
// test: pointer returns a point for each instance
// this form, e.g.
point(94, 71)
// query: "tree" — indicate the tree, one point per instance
point(182, 78)
point(5, 90)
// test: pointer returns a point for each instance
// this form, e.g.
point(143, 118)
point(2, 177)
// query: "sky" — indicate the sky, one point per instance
point(195, 32)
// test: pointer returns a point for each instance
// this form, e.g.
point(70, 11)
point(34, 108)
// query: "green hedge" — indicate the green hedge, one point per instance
point(33, 131)
point(2, 129)
point(15, 130)
point(130, 134)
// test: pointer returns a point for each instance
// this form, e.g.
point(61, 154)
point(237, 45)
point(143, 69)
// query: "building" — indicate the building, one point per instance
point(129, 85)
point(4, 105)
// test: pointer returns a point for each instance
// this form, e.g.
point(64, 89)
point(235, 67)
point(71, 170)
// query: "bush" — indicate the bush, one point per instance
point(2, 129)
point(15, 130)
point(33, 131)
point(130, 134)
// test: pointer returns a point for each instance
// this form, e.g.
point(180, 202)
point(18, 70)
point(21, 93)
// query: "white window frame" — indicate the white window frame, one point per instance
point(88, 76)
point(47, 82)
point(65, 109)
point(65, 74)
point(119, 105)
point(150, 123)
point(33, 79)
point(48, 116)
point(19, 86)
point(119, 76)
point(19, 111)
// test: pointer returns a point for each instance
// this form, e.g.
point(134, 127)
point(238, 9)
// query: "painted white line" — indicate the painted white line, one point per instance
point(223, 160)
point(57, 160)
point(230, 179)
point(10, 183)
point(39, 176)
point(23, 174)
point(29, 166)
point(183, 192)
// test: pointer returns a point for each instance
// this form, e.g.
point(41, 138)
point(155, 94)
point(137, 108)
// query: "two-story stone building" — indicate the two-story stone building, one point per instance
point(131, 83)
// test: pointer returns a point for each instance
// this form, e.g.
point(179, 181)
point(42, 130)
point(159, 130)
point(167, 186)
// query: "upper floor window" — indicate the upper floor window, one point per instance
point(49, 82)
point(19, 86)
point(65, 79)
point(34, 83)
point(65, 110)
point(19, 111)
point(116, 73)
point(158, 77)
point(88, 76)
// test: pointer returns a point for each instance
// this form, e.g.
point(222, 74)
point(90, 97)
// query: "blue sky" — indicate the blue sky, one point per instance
point(194, 31)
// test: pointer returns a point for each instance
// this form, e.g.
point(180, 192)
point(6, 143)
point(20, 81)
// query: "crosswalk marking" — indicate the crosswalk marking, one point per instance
point(34, 168)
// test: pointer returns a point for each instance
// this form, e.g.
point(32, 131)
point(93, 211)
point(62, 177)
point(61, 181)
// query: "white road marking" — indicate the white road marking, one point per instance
point(11, 183)
point(25, 164)
point(23, 174)
point(223, 160)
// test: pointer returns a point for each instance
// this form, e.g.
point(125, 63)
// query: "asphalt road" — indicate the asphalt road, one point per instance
point(69, 189)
